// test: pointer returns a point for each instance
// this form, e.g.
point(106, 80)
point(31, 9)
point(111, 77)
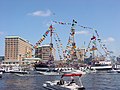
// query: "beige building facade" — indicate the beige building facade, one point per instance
point(16, 48)
point(81, 53)
point(44, 52)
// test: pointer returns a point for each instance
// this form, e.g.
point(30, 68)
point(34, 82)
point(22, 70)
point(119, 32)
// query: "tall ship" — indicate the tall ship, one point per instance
point(45, 52)
point(99, 62)
point(72, 56)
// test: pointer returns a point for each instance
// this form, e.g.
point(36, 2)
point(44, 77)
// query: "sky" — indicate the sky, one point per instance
point(30, 19)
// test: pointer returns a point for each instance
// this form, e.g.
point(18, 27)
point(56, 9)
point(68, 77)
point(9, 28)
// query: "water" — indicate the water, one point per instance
point(102, 81)
point(98, 81)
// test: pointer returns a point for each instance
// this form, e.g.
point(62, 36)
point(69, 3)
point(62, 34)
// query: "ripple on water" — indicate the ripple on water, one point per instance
point(98, 81)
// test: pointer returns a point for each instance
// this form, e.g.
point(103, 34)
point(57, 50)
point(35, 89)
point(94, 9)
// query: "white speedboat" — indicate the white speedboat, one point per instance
point(102, 65)
point(71, 70)
point(1, 74)
point(15, 69)
point(65, 85)
point(118, 71)
point(48, 73)
point(79, 72)
point(114, 71)
point(2, 69)
point(19, 71)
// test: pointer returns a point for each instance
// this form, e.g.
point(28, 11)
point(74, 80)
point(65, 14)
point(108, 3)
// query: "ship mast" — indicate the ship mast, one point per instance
point(73, 56)
point(51, 44)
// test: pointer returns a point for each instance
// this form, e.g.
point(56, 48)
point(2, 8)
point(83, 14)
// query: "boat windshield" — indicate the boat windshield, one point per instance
point(73, 74)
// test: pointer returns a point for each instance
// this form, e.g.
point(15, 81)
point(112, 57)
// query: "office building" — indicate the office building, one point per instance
point(16, 48)
point(44, 52)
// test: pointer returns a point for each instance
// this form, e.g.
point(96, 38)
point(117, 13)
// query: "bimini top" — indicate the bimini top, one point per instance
point(71, 74)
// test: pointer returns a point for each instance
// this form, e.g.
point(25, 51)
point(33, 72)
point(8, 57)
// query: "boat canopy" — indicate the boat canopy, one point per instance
point(73, 74)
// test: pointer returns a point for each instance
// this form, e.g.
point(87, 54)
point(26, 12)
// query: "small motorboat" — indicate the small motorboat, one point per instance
point(118, 71)
point(1, 74)
point(2, 69)
point(79, 71)
point(114, 71)
point(73, 85)
point(49, 72)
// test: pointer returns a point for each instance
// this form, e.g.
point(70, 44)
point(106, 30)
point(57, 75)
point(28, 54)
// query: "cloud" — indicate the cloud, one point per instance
point(82, 32)
point(41, 13)
point(109, 40)
point(1, 33)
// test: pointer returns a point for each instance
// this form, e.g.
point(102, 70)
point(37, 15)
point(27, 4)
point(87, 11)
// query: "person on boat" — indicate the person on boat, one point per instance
point(61, 82)
point(72, 81)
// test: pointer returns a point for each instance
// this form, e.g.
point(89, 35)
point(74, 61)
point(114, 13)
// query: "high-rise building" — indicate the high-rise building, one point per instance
point(44, 52)
point(17, 48)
